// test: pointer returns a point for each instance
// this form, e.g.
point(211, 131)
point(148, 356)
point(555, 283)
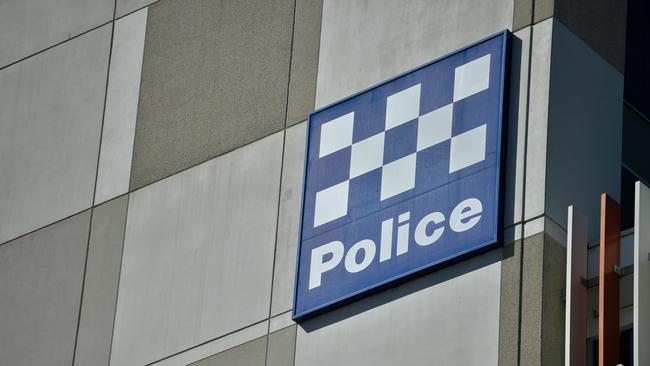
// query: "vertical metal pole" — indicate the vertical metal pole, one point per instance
point(576, 293)
point(608, 291)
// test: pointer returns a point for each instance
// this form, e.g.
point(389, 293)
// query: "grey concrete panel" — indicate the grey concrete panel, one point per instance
point(41, 277)
point(50, 122)
point(217, 345)
point(544, 9)
point(540, 67)
point(510, 302)
point(584, 132)
point(532, 276)
point(27, 27)
point(248, 354)
point(522, 14)
point(599, 23)
point(366, 42)
point(198, 100)
point(289, 219)
point(304, 60)
point(121, 110)
point(517, 117)
point(100, 285)
point(280, 321)
point(123, 7)
point(282, 347)
point(553, 307)
point(641, 274)
point(198, 254)
point(450, 315)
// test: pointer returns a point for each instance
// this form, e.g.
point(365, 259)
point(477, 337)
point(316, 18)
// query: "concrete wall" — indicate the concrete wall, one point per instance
point(151, 160)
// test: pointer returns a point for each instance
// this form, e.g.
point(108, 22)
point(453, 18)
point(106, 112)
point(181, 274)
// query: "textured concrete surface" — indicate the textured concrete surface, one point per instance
point(450, 315)
point(27, 27)
point(543, 9)
point(248, 354)
point(584, 130)
point(304, 60)
point(510, 302)
point(198, 254)
point(553, 307)
point(41, 277)
point(123, 7)
point(121, 108)
point(198, 100)
point(532, 277)
point(289, 219)
point(216, 346)
point(599, 23)
point(281, 348)
point(522, 14)
point(50, 121)
point(539, 313)
point(100, 286)
point(366, 42)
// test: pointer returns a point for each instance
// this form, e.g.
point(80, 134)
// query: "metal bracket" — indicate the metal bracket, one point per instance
point(617, 270)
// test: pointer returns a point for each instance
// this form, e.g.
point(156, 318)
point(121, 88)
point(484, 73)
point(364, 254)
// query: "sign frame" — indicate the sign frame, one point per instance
point(496, 241)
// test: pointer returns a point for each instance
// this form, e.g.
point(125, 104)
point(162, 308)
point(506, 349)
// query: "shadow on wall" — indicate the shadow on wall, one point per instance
point(456, 269)
point(512, 131)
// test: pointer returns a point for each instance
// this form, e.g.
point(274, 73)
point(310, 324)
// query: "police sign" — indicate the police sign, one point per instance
point(402, 177)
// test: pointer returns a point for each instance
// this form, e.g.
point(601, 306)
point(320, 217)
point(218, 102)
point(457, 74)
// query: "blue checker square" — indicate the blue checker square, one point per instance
point(403, 178)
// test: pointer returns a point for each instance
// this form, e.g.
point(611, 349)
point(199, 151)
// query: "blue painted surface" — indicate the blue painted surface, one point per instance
point(435, 189)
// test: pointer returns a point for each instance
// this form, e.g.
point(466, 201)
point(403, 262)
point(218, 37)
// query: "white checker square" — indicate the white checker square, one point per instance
point(467, 148)
point(331, 203)
point(403, 106)
point(336, 134)
point(367, 155)
point(472, 78)
point(435, 127)
point(398, 176)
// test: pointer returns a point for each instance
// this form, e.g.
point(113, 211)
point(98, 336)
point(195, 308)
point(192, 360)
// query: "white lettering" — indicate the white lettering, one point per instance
point(318, 266)
point(469, 209)
point(386, 243)
point(421, 237)
point(369, 250)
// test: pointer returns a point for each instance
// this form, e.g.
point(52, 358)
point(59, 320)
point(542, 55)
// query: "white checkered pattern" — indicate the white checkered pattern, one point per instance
point(398, 176)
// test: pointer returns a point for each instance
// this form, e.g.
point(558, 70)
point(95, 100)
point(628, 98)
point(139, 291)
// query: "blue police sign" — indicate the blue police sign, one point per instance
point(402, 177)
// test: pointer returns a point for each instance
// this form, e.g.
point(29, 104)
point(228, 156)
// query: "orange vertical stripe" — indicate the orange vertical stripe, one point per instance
point(608, 291)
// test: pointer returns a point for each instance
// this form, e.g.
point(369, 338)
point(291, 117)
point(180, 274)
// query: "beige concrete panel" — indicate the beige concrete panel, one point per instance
point(41, 277)
point(30, 26)
point(101, 281)
point(451, 315)
point(214, 78)
point(286, 246)
point(121, 110)
point(535, 179)
point(304, 60)
point(198, 254)
point(51, 109)
point(365, 42)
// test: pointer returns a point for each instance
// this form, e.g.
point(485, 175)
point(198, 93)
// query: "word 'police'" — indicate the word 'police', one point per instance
point(427, 231)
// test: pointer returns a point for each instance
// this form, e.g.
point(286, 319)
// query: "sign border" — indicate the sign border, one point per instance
point(452, 259)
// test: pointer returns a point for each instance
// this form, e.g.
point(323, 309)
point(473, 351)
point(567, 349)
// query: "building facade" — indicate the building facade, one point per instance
point(152, 160)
